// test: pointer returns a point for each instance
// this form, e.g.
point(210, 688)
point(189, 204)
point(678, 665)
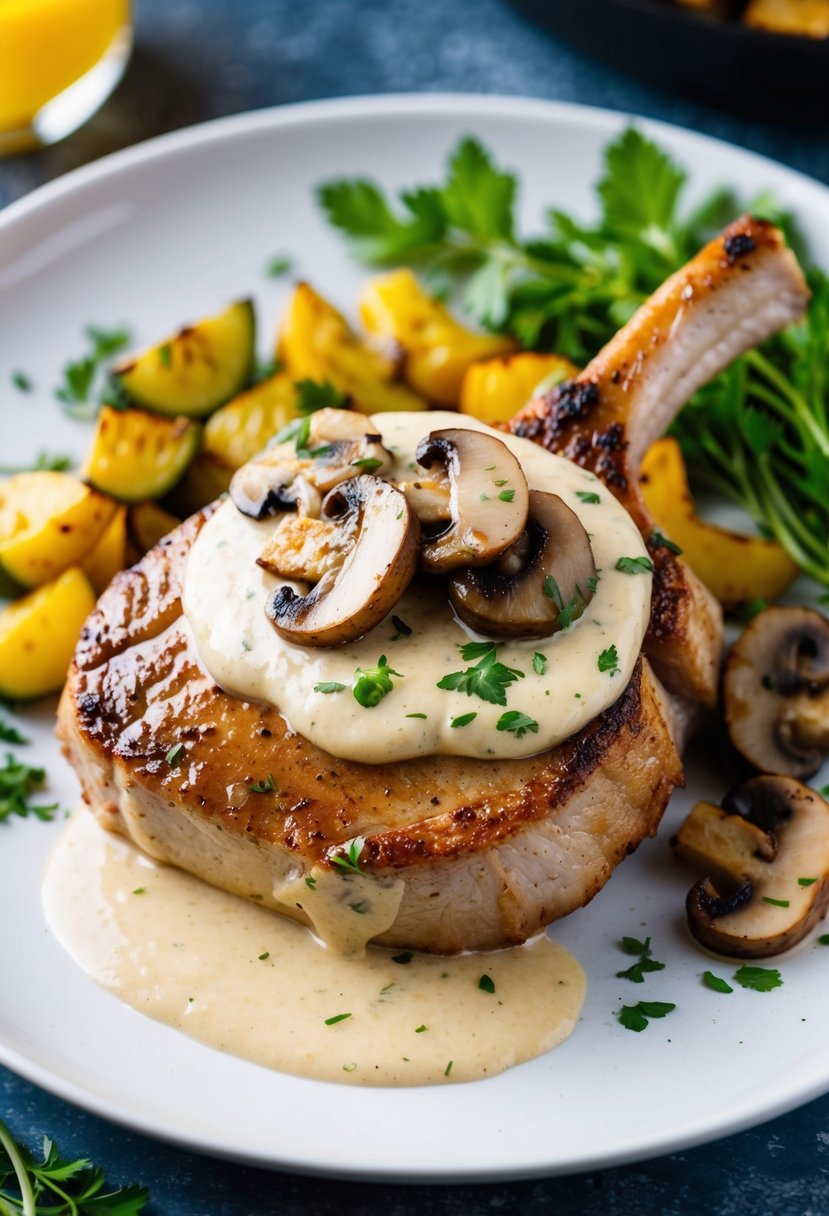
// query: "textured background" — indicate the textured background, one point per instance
point(198, 60)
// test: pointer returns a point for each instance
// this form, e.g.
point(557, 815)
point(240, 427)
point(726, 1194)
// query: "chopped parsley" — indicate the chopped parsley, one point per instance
point(608, 660)
point(593, 583)
point(486, 984)
point(517, 723)
point(448, 1068)
point(420, 1029)
point(139, 891)
point(338, 1017)
point(43, 463)
point(645, 963)
point(17, 783)
point(277, 266)
point(588, 496)
point(263, 787)
point(313, 395)
point(265, 954)
point(539, 663)
point(329, 686)
point(777, 903)
point(310, 881)
point(487, 679)
point(417, 715)
point(635, 565)
point(801, 882)
point(823, 940)
point(77, 382)
point(367, 464)
point(716, 982)
point(506, 495)
point(21, 382)
point(10, 734)
point(660, 541)
point(174, 754)
point(637, 1017)
point(349, 859)
point(371, 684)
point(567, 613)
point(107, 342)
point(760, 979)
point(463, 720)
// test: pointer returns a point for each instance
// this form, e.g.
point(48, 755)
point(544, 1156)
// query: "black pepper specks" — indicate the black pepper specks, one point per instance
point(738, 246)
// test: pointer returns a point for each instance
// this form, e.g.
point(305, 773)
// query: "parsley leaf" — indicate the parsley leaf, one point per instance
point(313, 395)
point(608, 660)
point(760, 979)
point(18, 782)
point(264, 787)
point(10, 734)
point(645, 963)
point(588, 496)
point(488, 679)
point(539, 663)
point(329, 686)
point(277, 266)
point(517, 723)
point(371, 684)
point(56, 1186)
point(658, 540)
point(637, 1017)
point(463, 720)
point(349, 859)
point(716, 982)
point(486, 984)
point(376, 234)
point(640, 190)
point(107, 342)
point(21, 382)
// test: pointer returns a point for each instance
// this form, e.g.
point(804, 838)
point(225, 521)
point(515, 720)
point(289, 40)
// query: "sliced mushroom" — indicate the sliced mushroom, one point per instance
point(488, 498)
point(340, 445)
point(776, 691)
point(382, 557)
point(543, 581)
point(766, 853)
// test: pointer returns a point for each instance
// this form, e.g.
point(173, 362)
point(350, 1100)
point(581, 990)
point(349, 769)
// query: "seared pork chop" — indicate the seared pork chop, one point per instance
point(490, 851)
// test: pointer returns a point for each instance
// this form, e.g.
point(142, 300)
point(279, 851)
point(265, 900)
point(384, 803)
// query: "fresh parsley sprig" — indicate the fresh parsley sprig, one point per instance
point(18, 781)
point(371, 684)
point(488, 679)
point(58, 1186)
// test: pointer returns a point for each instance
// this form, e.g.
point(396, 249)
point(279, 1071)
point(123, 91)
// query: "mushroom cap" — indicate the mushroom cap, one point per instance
point(380, 564)
point(514, 596)
point(488, 498)
point(776, 691)
point(767, 856)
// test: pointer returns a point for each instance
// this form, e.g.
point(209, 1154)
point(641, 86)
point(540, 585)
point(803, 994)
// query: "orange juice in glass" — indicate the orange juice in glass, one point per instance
point(59, 60)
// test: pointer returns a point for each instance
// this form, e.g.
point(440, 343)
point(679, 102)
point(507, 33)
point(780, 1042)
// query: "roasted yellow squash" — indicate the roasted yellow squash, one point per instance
point(48, 522)
point(38, 635)
point(496, 389)
point(244, 426)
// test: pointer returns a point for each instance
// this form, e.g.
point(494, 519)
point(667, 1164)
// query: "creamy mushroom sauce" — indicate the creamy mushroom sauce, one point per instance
point(224, 602)
point(257, 985)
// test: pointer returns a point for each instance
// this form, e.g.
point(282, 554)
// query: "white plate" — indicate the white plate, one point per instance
point(163, 233)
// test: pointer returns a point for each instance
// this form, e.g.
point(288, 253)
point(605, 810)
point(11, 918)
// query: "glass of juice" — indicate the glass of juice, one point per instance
point(59, 61)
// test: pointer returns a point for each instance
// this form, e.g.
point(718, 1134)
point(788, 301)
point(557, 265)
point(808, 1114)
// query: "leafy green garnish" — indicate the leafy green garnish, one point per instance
point(107, 342)
point(371, 684)
point(517, 723)
point(402, 959)
point(761, 979)
point(313, 395)
point(268, 786)
point(10, 734)
point(329, 686)
point(539, 663)
point(658, 540)
point(569, 612)
point(278, 265)
point(635, 565)
point(778, 903)
point(338, 1017)
point(43, 463)
point(58, 1186)
point(174, 754)
point(487, 679)
point(463, 720)
point(80, 375)
point(349, 859)
point(637, 1017)
point(716, 982)
point(636, 972)
point(21, 382)
point(806, 882)
point(608, 660)
point(18, 782)
point(486, 984)
point(588, 496)
point(77, 381)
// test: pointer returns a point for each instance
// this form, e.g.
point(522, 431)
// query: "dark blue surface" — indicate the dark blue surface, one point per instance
point(198, 59)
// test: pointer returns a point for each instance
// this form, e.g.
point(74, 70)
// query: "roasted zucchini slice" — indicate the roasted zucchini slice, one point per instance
point(197, 370)
point(135, 455)
point(48, 522)
point(38, 635)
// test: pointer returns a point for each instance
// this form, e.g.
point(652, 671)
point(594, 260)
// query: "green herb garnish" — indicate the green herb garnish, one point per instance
point(417, 715)
point(487, 679)
point(588, 496)
point(778, 903)
point(338, 1017)
point(57, 1186)
point(17, 783)
point(10, 734)
point(349, 859)
point(635, 565)
point(569, 612)
point(637, 1017)
point(329, 686)
point(506, 495)
point(313, 395)
point(760, 979)
point(806, 882)
point(264, 787)
point(608, 660)
point(21, 382)
point(165, 354)
point(277, 266)
point(658, 540)
point(107, 342)
point(486, 984)
point(716, 982)
point(463, 720)
point(517, 723)
point(43, 463)
point(371, 684)
point(539, 663)
point(174, 754)
point(645, 963)
point(265, 954)
point(367, 464)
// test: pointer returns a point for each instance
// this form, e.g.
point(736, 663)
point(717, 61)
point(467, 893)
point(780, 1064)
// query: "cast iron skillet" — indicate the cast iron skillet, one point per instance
point(764, 75)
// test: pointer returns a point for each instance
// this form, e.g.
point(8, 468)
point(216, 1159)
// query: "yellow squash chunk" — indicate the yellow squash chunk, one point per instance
point(38, 635)
point(244, 426)
point(205, 480)
point(135, 455)
point(437, 348)
point(48, 522)
point(496, 389)
point(109, 556)
point(733, 566)
point(197, 370)
point(147, 523)
point(317, 343)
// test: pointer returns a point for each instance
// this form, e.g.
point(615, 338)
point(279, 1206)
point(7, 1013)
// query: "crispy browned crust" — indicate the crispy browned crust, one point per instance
point(136, 689)
point(603, 421)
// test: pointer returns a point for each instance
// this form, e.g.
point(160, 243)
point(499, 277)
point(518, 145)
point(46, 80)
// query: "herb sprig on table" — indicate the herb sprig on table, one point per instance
point(759, 433)
point(57, 1186)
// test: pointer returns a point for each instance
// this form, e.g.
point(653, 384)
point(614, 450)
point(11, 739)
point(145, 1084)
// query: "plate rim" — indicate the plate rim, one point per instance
point(388, 107)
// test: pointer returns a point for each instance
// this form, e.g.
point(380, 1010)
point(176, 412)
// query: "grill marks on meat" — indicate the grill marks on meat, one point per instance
point(514, 844)
point(742, 287)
